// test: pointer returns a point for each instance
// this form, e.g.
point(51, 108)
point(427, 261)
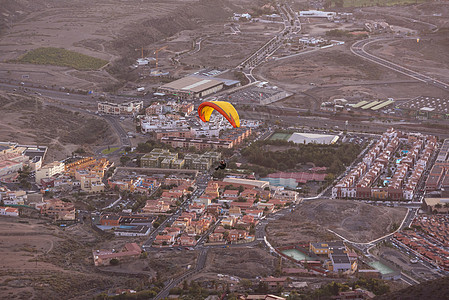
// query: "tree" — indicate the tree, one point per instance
point(114, 262)
point(124, 159)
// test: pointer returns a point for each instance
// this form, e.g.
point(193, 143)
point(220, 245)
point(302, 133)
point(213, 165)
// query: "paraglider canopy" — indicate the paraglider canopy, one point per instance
point(225, 108)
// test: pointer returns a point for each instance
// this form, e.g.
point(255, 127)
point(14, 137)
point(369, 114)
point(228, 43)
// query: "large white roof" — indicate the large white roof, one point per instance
point(301, 138)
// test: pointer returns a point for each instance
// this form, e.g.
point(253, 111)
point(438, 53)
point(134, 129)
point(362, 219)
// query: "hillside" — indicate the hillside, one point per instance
point(435, 289)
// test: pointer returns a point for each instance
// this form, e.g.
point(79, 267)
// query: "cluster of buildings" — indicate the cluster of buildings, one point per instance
point(227, 140)
point(363, 108)
point(179, 188)
point(57, 209)
point(126, 108)
point(9, 211)
point(238, 17)
point(139, 184)
point(158, 108)
point(9, 197)
point(186, 229)
point(425, 107)
point(431, 241)
point(162, 158)
point(438, 179)
point(386, 173)
point(340, 258)
point(86, 173)
point(125, 223)
point(14, 157)
point(293, 179)
point(378, 27)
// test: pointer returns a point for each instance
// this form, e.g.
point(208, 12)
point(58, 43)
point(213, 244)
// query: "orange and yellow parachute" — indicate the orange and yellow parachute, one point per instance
point(225, 108)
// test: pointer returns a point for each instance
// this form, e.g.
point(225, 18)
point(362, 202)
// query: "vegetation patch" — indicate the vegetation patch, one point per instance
point(62, 57)
point(334, 157)
point(109, 150)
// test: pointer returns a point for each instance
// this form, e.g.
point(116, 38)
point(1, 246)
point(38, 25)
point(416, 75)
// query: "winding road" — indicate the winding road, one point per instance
point(358, 48)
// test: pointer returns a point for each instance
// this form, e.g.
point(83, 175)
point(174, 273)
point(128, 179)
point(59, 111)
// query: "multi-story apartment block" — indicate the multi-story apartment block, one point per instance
point(50, 170)
point(127, 108)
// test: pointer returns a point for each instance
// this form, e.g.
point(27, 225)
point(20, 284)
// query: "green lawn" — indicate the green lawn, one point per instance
point(110, 150)
point(63, 58)
point(280, 136)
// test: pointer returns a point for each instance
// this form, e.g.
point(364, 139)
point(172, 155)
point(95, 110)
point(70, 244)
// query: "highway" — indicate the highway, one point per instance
point(69, 101)
point(291, 25)
point(358, 48)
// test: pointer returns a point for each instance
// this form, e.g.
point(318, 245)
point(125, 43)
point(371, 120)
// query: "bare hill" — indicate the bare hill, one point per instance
point(358, 222)
point(27, 119)
point(431, 290)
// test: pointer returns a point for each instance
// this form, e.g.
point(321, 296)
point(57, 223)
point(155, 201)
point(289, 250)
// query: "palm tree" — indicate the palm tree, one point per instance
point(446, 206)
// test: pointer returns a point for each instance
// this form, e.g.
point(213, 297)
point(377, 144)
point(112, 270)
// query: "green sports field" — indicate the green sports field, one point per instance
point(280, 136)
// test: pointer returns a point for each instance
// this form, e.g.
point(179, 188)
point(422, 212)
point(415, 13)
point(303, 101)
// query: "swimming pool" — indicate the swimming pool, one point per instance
point(381, 267)
point(296, 254)
point(126, 227)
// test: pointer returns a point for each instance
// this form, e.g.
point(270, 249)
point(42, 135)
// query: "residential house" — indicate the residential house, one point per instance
point(235, 212)
point(228, 221)
point(164, 240)
point(216, 237)
point(9, 211)
point(104, 257)
point(110, 220)
point(58, 209)
point(186, 240)
point(156, 206)
point(196, 208)
point(232, 194)
point(235, 235)
point(275, 282)
point(256, 213)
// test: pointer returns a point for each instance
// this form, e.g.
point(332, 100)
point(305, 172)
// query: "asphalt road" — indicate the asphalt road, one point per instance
point(358, 48)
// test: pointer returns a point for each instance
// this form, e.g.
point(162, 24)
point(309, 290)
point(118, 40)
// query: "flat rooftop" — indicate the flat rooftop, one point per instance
point(192, 84)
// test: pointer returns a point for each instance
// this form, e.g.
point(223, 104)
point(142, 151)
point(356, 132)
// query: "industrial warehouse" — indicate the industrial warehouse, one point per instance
point(196, 86)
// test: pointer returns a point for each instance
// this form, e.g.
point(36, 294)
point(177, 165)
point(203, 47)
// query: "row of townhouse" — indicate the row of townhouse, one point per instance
point(425, 245)
point(185, 229)
point(359, 182)
point(9, 211)
point(125, 108)
point(157, 108)
point(438, 179)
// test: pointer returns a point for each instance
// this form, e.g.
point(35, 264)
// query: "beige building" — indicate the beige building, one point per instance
point(127, 108)
point(49, 170)
point(161, 158)
point(91, 183)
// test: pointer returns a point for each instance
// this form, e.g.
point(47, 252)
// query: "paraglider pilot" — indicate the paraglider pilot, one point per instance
point(222, 165)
